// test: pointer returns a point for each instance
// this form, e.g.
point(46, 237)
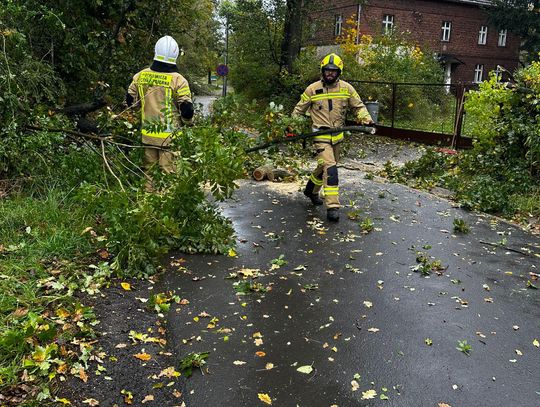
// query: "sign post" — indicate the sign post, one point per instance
point(225, 68)
point(222, 70)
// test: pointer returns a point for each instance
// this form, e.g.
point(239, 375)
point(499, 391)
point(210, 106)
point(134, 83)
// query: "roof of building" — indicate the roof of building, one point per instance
point(475, 2)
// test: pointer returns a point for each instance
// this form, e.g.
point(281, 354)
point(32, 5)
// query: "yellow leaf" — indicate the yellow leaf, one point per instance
point(143, 356)
point(62, 313)
point(265, 398)
point(91, 402)
point(260, 354)
point(148, 398)
point(370, 394)
point(63, 401)
point(536, 343)
point(232, 253)
point(126, 286)
point(82, 375)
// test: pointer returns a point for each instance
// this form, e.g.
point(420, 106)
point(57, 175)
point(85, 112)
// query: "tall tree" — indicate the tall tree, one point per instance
point(521, 17)
point(292, 33)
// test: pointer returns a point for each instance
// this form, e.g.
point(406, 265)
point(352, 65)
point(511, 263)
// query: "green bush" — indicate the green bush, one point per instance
point(142, 226)
point(501, 173)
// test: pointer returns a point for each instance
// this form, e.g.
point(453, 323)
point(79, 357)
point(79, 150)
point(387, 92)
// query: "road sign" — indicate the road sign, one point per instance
point(222, 70)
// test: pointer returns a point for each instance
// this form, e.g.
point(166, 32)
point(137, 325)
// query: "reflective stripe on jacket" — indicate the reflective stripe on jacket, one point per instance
point(160, 95)
point(328, 105)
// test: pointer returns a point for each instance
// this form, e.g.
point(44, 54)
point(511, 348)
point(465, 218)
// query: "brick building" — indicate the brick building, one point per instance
point(455, 30)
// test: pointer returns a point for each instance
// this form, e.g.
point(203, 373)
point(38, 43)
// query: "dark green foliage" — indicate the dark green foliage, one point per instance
point(141, 226)
point(501, 173)
point(521, 17)
point(193, 361)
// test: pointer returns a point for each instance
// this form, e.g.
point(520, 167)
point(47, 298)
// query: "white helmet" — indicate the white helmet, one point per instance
point(166, 50)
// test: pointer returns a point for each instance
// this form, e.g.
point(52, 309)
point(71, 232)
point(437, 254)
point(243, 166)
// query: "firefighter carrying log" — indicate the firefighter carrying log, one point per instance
point(327, 101)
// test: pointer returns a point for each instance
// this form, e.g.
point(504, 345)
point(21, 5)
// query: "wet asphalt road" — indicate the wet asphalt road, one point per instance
point(349, 305)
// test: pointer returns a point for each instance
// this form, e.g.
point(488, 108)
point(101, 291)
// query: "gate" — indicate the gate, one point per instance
point(429, 113)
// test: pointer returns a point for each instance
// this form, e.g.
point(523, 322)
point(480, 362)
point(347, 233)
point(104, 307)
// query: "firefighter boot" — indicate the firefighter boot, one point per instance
point(332, 214)
point(314, 197)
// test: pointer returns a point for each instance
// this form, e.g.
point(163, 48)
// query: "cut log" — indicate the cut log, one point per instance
point(270, 173)
point(264, 172)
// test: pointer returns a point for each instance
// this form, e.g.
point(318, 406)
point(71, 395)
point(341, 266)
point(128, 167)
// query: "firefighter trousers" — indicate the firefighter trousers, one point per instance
point(325, 176)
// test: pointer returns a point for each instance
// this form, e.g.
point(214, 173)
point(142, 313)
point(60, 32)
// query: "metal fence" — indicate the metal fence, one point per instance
point(431, 113)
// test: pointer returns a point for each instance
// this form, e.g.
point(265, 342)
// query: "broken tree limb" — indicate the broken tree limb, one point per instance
point(337, 130)
point(109, 138)
point(506, 248)
point(84, 108)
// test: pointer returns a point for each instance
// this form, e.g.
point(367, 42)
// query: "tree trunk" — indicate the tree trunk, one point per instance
point(292, 35)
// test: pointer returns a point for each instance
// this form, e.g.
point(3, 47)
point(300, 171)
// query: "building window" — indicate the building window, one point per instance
point(446, 28)
point(338, 25)
point(478, 73)
point(482, 35)
point(502, 38)
point(388, 23)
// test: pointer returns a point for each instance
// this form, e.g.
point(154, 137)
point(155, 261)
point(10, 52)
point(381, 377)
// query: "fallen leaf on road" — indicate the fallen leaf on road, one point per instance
point(519, 353)
point(148, 398)
point(265, 398)
point(91, 402)
point(373, 330)
point(128, 396)
point(239, 362)
point(536, 343)
point(169, 372)
point(305, 369)
point(260, 354)
point(370, 394)
point(126, 286)
point(143, 356)
point(269, 366)
point(368, 304)
point(355, 385)
point(444, 405)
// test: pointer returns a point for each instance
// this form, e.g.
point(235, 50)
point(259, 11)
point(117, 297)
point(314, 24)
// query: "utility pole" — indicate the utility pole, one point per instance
point(224, 91)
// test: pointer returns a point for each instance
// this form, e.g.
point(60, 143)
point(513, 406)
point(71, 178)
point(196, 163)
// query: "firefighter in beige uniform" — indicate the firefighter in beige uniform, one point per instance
point(164, 95)
point(327, 101)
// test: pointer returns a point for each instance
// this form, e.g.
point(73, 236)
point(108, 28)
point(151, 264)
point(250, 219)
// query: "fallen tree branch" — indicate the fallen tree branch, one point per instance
point(505, 248)
point(83, 108)
point(109, 138)
point(109, 167)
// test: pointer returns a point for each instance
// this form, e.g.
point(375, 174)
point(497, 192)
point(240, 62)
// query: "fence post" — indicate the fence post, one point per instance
point(458, 122)
point(394, 91)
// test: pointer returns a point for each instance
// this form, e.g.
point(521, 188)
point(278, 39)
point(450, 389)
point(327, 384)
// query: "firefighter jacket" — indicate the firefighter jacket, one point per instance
point(327, 106)
point(160, 95)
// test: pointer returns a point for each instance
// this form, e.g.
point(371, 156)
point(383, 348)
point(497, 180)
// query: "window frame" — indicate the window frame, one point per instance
point(478, 73)
point(482, 35)
point(503, 34)
point(446, 31)
point(338, 24)
point(388, 23)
